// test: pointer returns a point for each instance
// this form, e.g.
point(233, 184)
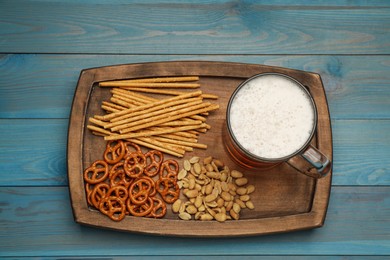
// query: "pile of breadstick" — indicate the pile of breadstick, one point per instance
point(171, 124)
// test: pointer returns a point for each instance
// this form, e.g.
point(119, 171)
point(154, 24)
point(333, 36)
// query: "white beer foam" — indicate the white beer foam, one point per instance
point(271, 116)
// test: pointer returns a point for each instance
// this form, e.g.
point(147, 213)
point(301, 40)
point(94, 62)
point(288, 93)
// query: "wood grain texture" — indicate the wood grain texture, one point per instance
point(361, 151)
point(211, 257)
point(44, 45)
point(42, 86)
point(38, 222)
point(33, 152)
point(243, 27)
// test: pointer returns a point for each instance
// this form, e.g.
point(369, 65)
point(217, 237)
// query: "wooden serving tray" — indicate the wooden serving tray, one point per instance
point(284, 199)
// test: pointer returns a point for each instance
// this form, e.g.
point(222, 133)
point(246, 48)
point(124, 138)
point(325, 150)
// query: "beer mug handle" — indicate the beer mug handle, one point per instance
point(311, 162)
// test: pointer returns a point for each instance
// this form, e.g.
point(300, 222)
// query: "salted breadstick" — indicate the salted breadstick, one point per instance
point(170, 92)
point(159, 79)
point(177, 136)
point(170, 118)
point(209, 96)
point(121, 102)
point(148, 85)
point(99, 130)
point(150, 143)
point(156, 120)
point(196, 117)
point(181, 123)
point(129, 101)
point(158, 91)
point(130, 95)
point(151, 132)
point(185, 134)
point(148, 100)
point(156, 147)
point(109, 104)
point(143, 107)
point(109, 109)
point(156, 109)
point(173, 141)
point(151, 116)
point(182, 135)
point(97, 121)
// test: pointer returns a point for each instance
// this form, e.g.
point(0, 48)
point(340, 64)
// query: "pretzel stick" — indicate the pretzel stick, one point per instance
point(185, 134)
point(97, 121)
point(153, 141)
point(103, 123)
point(148, 100)
point(170, 92)
point(131, 95)
point(109, 109)
point(169, 149)
point(154, 146)
point(151, 116)
point(160, 79)
point(181, 123)
point(122, 103)
point(175, 147)
point(191, 144)
point(151, 132)
point(209, 96)
point(175, 136)
point(168, 119)
point(131, 110)
point(158, 91)
point(185, 148)
point(148, 85)
point(162, 118)
point(130, 101)
point(160, 108)
point(109, 104)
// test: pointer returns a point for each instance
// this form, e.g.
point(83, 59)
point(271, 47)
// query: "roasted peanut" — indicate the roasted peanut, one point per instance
point(241, 181)
point(249, 205)
point(220, 217)
point(176, 206)
point(192, 193)
point(184, 216)
point(187, 165)
point(194, 159)
point(212, 191)
point(236, 174)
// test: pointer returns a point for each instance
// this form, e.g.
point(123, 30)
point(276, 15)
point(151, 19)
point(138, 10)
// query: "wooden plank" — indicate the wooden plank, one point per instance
point(33, 152)
point(203, 257)
point(35, 155)
point(284, 3)
point(361, 152)
point(42, 86)
point(37, 221)
point(193, 28)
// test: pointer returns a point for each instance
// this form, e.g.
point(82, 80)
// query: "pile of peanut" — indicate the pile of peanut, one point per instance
point(212, 191)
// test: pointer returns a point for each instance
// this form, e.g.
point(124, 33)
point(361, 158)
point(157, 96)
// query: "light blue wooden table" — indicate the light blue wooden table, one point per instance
point(45, 44)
